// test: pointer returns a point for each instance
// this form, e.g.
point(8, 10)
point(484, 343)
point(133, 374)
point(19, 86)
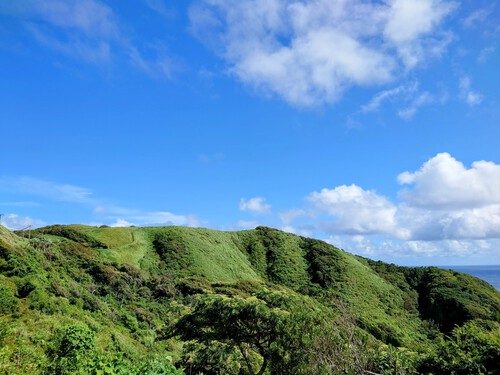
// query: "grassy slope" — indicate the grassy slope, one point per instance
point(218, 256)
point(213, 254)
point(125, 245)
point(377, 304)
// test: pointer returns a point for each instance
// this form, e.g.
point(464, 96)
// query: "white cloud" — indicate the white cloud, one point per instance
point(388, 95)
point(445, 183)
point(445, 210)
point(446, 200)
point(90, 31)
point(16, 222)
point(161, 8)
point(92, 17)
point(47, 189)
point(423, 252)
point(85, 29)
point(119, 223)
point(467, 94)
point(410, 25)
point(248, 224)
point(310, 52)
point(289, 216)
point(476, 18)
point(93, 51)
point(161, 65)
point(160, 218)
point(211, 158)
point(355, 210)
point(120, 216)
point(421, 100)
point(256, 205)
point(407, 96)
point(485, 54)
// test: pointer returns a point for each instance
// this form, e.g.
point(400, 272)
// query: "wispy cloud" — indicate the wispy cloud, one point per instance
point(310, 53)
point(105, 212)
point(160, 65)
point(84, 29)
point(19, 204)
point(90, 31)
point(400, 93)
point(248, 224)
point(471, 97)
point(47, 189)
point(407, 97)
point(256, 205)
point(421, 100)
point(157, 219)
point(161, 8)
point(211, 158)
point(476, 18)
point(16, 222)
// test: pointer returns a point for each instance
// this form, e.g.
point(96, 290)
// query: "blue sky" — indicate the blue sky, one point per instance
point(373, 125)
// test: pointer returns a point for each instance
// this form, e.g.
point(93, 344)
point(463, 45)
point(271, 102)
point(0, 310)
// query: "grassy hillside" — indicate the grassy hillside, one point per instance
point(136, 300)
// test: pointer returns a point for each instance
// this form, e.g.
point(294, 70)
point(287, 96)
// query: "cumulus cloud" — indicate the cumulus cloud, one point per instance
point(443, 202)
point(310, 52)
point(445, 183)
point(423, 250)
point(355, 210)
point(256, 205)
point(447, 200)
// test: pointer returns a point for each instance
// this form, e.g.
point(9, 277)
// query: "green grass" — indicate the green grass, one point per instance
point(213, 254)
point(126, 245)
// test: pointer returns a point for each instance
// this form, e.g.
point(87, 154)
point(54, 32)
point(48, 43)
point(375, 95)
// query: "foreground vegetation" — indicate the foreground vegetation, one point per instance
point(172, 300)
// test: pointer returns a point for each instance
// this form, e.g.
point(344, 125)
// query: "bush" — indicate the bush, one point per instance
point(8, 301)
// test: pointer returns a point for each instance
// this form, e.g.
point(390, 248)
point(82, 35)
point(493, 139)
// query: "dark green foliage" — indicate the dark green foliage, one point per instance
point(325, 265)
point(8, 300)
point(172, 251)
point(76, 339)
point(276, 332)
point(445, 297)
point(471, 349)
point(71, 234)
point(250, 325)
point(405, 278)
point(274, 254)
point(450, 298)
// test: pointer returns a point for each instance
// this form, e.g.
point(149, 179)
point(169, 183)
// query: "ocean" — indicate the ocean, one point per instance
point(490, 274)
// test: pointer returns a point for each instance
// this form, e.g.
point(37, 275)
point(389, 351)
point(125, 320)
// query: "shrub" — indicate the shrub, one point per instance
point(8, 301)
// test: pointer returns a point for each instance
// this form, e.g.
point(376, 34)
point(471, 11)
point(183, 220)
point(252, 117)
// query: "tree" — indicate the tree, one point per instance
point(246, 324)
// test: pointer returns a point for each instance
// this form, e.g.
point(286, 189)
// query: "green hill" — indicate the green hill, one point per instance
point(143, 300)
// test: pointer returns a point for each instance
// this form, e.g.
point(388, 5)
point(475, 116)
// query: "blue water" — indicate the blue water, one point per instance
point(490, 274)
